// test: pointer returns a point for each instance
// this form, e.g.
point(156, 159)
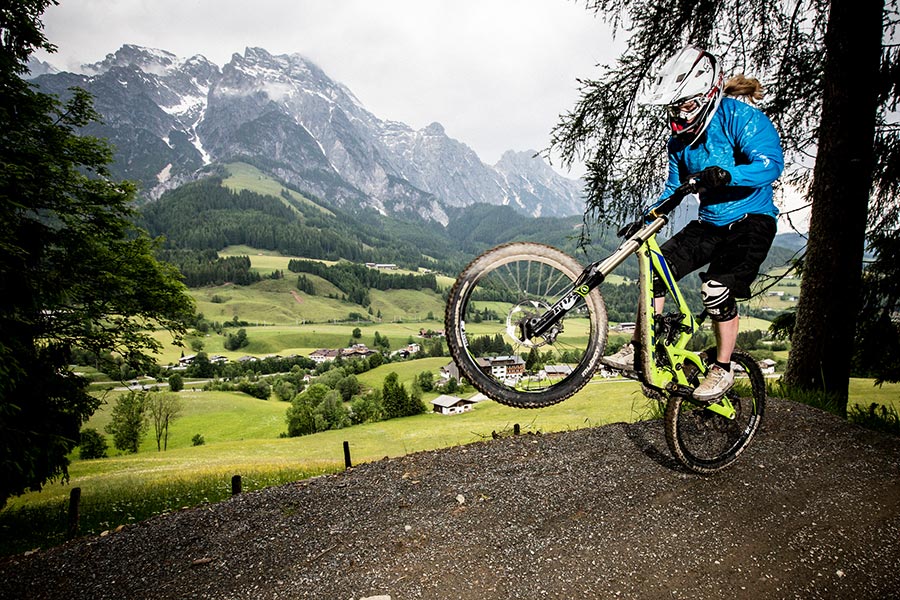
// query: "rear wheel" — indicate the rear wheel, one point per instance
point(706, 442)
point(489, 300)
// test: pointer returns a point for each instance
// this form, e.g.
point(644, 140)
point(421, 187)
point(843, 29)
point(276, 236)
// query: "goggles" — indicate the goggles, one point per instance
point(686, 110)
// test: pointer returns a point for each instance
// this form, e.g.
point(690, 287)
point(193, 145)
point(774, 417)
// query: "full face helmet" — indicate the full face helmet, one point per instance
point(690, 87)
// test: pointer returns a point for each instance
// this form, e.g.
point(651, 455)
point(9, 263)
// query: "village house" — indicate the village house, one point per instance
point(357, 351)
point(450, 371)
point(323, 355)
point(503, 367)
point(557, 371)
point(451, 405)
point(185, 361)
point(430, 334)
point(767, 366)
point(407, 351)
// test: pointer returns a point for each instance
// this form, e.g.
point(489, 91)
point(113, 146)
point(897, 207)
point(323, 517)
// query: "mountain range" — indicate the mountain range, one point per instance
point(172, 120)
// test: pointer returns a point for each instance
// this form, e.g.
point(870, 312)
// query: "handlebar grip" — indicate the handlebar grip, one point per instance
point(691, 186)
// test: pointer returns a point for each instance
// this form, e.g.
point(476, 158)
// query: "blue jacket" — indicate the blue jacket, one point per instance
point(741, 140)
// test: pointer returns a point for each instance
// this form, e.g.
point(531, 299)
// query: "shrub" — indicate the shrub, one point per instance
point(237, 340)
point(176, 382)
point(257, 389)
point(197, 440)
point(93, 444)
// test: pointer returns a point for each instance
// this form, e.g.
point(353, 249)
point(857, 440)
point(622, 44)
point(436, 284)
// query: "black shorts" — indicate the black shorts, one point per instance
point(733, 252)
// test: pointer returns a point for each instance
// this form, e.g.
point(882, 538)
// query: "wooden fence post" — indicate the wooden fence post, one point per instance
point(516, 429)
point(74, 502)
point(235, 485)
point(347, 463)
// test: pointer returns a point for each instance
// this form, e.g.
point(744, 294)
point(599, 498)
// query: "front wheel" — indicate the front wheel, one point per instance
point(493, 296)
point(706, 442)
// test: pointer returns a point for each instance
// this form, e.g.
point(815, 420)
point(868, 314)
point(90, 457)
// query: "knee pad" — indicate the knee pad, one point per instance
point(719, 303)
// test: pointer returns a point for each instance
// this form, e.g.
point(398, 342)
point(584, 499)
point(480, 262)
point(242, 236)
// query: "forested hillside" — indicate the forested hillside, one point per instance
point(199, 219)
point(206, 215)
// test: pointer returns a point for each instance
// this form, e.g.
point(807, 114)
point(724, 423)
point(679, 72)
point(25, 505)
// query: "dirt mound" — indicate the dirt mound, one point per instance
point(811, 510)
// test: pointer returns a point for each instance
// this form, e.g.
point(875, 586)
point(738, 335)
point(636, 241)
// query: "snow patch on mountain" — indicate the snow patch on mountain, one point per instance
point(285, 113)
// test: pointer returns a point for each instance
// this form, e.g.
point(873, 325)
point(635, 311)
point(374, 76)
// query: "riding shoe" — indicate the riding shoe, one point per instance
point(623, 360)
point(718, 381)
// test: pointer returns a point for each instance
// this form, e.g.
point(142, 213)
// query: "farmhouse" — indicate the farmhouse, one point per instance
point(503, 367)
point(407, 351)
point(451, 405)
point(323, 355)
point(357, 351)
point(450, 371)
point(557, 371)
point(767, 366)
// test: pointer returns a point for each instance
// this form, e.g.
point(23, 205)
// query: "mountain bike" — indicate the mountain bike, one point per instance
point(527, 325)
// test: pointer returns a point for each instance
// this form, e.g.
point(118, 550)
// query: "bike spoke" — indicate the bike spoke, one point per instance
point(503, 289)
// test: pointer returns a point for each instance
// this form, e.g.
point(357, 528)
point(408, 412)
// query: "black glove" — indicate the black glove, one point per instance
point(632, 228)
point(712, 177)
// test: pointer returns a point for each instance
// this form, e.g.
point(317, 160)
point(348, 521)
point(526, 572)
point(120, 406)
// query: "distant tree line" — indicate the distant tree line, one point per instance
point(355, 280)
point(204, 214)
point(206, 267)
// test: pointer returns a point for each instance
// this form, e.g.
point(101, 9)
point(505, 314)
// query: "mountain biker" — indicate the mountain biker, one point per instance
point(733, 151)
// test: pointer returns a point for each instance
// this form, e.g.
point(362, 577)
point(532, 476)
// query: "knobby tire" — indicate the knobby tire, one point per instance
point(508, 283)
point(706, 442)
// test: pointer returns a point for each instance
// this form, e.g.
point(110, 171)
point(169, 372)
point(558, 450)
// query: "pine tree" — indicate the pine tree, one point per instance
point(75, 274)
point(831, 74)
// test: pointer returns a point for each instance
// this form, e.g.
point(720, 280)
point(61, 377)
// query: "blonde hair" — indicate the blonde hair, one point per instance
point(745, 87)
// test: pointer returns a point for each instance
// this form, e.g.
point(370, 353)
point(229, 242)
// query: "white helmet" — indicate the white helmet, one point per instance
point(690, 86)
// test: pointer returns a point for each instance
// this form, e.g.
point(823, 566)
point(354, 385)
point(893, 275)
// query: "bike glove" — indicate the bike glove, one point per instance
point(632, 228)
point(712, 177)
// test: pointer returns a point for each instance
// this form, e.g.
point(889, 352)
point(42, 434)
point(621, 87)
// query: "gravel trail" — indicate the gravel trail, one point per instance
point(811, 510)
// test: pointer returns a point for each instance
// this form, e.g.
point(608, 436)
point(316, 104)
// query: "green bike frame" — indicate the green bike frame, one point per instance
point(667, 372)
point(651, 261)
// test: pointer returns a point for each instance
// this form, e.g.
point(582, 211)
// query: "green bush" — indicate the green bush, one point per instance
point(176, 382)
point(93, 444)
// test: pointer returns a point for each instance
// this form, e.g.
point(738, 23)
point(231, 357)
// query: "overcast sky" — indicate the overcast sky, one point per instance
point(495, 73)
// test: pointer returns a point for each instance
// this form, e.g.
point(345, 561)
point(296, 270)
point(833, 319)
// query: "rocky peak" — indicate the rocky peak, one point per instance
point(170, 116)
point(149, 60)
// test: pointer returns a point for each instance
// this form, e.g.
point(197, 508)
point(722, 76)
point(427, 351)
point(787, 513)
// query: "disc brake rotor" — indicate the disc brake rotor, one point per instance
point(523, 311)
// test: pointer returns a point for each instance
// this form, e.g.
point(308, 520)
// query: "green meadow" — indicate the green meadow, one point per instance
point(243, 435)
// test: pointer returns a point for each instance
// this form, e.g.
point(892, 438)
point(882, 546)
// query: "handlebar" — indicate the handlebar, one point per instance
point(691, 186)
